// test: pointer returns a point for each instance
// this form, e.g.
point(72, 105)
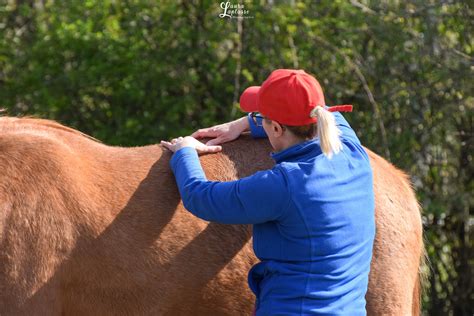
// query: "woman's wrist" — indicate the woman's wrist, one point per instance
point(242, 124)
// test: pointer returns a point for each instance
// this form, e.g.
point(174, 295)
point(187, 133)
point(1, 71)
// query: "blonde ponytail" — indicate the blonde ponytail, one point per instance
point(328, 132)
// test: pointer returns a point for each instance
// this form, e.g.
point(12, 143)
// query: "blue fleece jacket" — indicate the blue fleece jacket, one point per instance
point(313, 223)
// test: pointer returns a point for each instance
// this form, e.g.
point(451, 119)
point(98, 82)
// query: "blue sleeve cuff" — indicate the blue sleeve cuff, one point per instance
point(257, 131)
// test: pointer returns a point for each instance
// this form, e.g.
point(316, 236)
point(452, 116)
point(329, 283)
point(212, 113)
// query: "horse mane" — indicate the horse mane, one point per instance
point(34, 120)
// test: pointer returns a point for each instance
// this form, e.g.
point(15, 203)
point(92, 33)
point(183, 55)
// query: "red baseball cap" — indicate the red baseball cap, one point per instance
point(288, 96)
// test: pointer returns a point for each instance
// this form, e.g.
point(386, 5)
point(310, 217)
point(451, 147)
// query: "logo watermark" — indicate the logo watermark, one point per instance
point(234, 11)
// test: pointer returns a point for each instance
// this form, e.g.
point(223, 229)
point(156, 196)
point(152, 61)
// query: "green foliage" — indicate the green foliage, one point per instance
point(134, 72)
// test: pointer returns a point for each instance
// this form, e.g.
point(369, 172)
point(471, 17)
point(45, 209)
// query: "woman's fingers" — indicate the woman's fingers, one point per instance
point(200, 134)
point(167, 144)
point(214, 149)
point(209, 149)
point(177, 143)
point(207, 132)
point(216, 141)
point(175, 140)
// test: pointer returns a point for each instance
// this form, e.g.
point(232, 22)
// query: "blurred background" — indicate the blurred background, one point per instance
point(134, 72)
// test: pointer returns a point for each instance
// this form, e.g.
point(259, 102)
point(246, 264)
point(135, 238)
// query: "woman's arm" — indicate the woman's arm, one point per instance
point(345, 128)
point(229, 131)
point(256, 199)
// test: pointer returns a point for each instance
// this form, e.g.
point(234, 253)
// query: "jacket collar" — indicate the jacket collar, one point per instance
point(299, 151)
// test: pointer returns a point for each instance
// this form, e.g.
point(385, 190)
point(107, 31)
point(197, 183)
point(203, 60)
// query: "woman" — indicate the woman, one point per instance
point(312, 213)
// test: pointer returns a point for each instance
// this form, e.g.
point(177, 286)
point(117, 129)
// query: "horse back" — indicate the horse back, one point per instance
point(87, 228)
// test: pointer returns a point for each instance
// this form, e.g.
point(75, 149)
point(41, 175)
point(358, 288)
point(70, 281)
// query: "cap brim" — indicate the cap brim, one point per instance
point(248, 99)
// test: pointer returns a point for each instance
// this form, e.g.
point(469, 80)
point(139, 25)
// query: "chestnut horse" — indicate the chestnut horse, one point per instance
point(91, 229)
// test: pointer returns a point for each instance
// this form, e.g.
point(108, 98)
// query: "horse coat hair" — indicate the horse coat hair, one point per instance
point(91, 229)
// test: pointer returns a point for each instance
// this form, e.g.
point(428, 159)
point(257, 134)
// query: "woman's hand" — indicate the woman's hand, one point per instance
point(188, 141)
point(224, 132)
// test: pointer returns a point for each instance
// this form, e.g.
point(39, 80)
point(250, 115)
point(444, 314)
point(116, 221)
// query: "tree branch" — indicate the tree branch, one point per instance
point(367, 90)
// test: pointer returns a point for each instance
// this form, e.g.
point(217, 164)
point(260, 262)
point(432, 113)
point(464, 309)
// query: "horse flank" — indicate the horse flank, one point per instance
point(87, 228)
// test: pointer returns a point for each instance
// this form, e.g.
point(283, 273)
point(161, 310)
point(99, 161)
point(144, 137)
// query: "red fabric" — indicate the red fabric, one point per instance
point(287, 96)
point(340, 108)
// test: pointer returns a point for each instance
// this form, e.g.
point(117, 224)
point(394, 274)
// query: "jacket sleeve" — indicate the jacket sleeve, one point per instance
point(255, 199)
point(256, 131)
point(349, 136)
point(345, 128)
